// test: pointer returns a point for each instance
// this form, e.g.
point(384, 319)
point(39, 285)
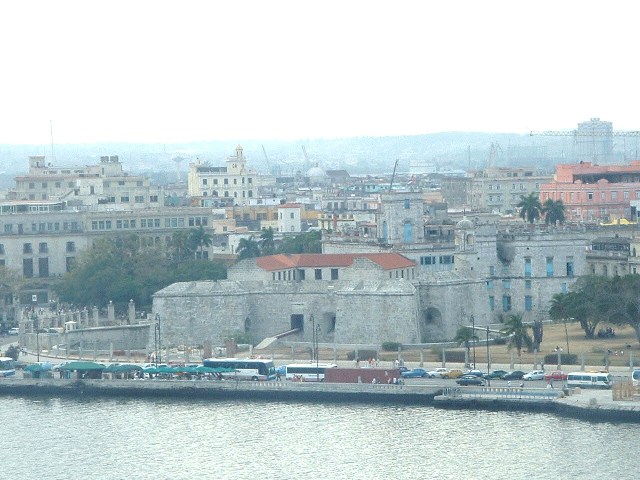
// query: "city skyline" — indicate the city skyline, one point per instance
point(156, 72)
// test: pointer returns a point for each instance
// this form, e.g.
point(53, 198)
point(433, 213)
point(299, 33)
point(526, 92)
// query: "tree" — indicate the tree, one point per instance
point(516, 330)
point(309, 242)
point(553, 211)
point(181, 246)
point(248, 248)
point(267, 243)
point(530, 207)
point(199, 240)
point(465, 335)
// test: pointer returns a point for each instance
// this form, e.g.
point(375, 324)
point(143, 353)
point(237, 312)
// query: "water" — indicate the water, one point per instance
point(140, 439)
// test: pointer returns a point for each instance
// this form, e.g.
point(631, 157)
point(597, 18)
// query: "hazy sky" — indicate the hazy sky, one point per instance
point(159, 71)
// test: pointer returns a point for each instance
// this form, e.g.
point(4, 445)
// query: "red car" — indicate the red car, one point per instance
point(555, 375)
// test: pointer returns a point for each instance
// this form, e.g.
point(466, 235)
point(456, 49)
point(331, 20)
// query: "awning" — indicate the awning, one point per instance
point(38, 367)
point(86, 366)
point(123, 367)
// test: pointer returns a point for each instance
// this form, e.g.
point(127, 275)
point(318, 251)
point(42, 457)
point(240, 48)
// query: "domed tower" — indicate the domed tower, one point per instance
point(465, 235)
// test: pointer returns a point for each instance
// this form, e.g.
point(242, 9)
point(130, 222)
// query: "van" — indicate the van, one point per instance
point(590, 379)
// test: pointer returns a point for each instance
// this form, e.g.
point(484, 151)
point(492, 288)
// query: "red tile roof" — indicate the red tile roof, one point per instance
point(388, 261)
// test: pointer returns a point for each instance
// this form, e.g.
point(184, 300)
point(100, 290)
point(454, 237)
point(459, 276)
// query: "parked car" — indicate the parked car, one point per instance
point(470, 380)
point(534, 375)
point(476, 373)
point(513, 375)
point(415, 373)
point(437, 372)
point(555, 375)
point(454, 373)
point(495, 375)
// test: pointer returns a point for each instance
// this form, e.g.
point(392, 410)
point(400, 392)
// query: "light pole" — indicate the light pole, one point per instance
point(559, 351)
point(488, 359)
point(158, 340)
point(36, 324)
point(473, 339)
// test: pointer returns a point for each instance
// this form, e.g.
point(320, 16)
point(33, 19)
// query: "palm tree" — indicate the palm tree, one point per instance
point(553, 211)
point(248, 248)
point(516, 330)
point(200, 239)
point(530, 207)
point(267, 244)
point(181, 246)
point(465, 335)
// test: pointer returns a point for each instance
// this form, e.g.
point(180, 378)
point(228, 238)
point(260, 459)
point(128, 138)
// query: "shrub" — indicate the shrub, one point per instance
point(13, 351)
point(362, 354)
point(565, 359)
point(391, 346)
point(452, 356)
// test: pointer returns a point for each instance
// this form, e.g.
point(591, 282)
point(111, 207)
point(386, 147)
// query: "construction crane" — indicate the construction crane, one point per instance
point(267, 159)
point(393, 176)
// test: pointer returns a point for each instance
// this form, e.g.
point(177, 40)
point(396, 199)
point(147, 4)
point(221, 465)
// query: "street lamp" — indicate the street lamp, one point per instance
point(315, 334)
point(559, 351)
point(157, 340)
point(36, 324)
point(473, 339)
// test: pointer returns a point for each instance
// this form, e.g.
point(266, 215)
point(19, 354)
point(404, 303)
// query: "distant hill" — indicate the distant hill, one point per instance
point(357, 155)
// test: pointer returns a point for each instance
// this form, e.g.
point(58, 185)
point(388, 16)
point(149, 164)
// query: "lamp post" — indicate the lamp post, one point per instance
point(157, 339)
point(488, 358)
point(314, 343)
point(36, 324)
point(473, 339)
point(559, 351)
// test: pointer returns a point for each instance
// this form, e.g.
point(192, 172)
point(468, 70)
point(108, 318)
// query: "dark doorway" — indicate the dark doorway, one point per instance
point(297, 321)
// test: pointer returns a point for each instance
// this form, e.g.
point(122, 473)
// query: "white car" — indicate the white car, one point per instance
point(437, 372)
point(534, 375)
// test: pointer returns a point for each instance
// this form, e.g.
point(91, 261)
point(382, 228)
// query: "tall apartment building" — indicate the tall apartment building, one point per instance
point(594, 192)
point(499, 190)
point(232, 184)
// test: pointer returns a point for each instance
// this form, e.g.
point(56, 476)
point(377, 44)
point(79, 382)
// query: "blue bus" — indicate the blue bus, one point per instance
point(255, 369)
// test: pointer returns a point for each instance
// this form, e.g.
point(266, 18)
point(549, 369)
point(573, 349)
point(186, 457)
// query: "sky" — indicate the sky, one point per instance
point(180, 71)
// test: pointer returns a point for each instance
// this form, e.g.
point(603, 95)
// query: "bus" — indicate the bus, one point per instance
point(307, 372)
point(7, 367)
point(255, 369)
point(590, 379)
point(635, 377)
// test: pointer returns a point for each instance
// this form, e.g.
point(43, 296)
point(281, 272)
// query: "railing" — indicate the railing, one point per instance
point(508, 393)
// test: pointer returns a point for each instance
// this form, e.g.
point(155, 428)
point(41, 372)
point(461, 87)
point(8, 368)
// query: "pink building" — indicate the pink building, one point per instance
point(593, 192)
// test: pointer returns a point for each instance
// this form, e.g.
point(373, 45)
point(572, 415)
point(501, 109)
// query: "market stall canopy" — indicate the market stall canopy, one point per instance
point(38, 367)
point(82, 365)
point(123, 367)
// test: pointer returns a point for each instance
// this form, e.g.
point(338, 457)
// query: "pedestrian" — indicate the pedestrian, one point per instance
point(551, 382)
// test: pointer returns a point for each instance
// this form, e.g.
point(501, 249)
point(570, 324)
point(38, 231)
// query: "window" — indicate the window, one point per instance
point(1, 248)
point(589, 195)
point(139, 199)
point(153, 198)
point(549, 266)
point(43, 247)
point(27, 267)
point(527, 284)
point(318, 273)
point(301, 274)
point(492, 303)
point(527, 267)
point(334, 274)
point(8, 228)
point(489, 284)
point(492, 270)
point(292, 216)
point(124, 199)
point(614, 195)
point(26, 248)
point(71, 247)
point(43, 267)
point(226, 181)
point(406, 203)
point(570, 272)
point(506, 284)
point(528, 303)
point(506, 303)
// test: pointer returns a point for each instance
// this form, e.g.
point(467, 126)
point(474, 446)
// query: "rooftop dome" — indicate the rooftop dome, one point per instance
point(464, 224)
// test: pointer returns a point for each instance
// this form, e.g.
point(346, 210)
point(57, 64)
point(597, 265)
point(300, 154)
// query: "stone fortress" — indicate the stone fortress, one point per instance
point(388, 290)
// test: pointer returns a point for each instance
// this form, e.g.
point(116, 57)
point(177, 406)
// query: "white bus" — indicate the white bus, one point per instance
point(255, 369)
point(7, 367)
point(635, 377)
point(590, 379)
point(307, 372)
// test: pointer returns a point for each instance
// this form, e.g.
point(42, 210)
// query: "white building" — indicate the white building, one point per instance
point(290, 218)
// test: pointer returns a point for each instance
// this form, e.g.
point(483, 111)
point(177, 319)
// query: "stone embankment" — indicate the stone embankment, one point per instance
point(591, 405)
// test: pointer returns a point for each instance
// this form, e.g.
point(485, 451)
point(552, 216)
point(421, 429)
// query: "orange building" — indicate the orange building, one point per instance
point(594, 192)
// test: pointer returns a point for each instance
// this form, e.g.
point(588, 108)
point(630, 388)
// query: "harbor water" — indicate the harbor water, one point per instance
point(63, 438)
